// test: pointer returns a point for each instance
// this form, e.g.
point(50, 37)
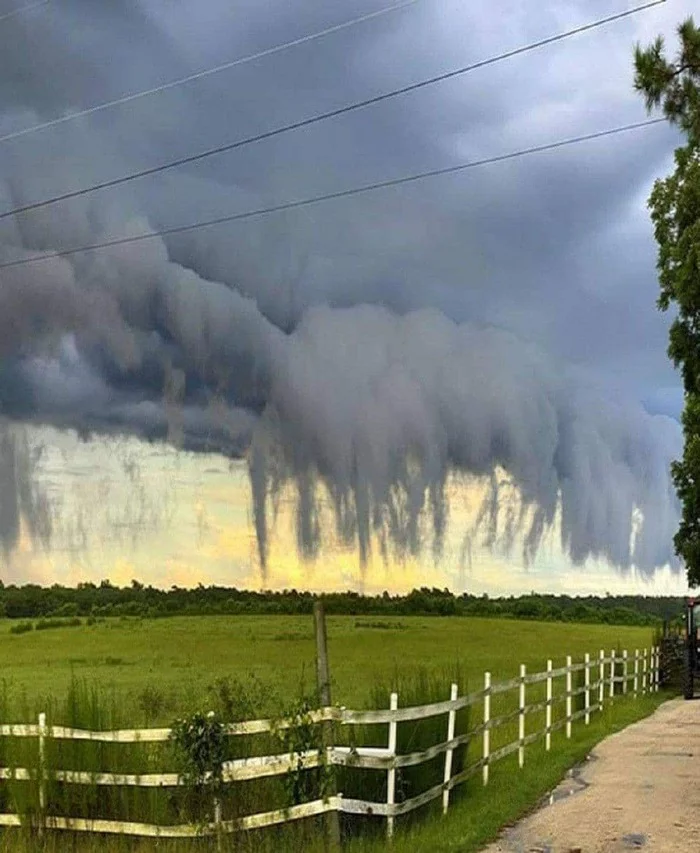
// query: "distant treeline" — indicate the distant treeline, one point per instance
point(88, 599)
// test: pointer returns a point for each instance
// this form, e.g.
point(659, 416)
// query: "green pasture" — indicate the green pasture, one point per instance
point(159, 668)
point(131, 672)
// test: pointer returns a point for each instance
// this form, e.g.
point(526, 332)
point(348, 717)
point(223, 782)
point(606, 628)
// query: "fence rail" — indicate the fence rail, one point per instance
point(617, 675)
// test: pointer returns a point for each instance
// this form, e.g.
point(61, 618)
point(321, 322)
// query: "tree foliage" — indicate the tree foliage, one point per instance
point(674, 88)
point(93, 602)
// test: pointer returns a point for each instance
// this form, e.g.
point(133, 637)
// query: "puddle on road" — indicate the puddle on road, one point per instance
point(635, 840)
point(572, 784)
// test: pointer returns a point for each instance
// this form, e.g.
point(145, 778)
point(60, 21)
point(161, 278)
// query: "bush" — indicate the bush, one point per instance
point(46, 624)
point(21, 628)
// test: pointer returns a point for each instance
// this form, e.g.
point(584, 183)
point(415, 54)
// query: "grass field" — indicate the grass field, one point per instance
point(162, 667)
point(150, 671)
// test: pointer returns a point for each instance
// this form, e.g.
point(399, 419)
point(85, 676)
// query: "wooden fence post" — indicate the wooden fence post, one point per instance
point(624, 671)
point(657, 667)
point(612, 674)
point(644, 671)
point(548, 709)
point(487, 722)
point(391, 773)
point(42, 772)
point(587, 685)
point(451, 720)
point(323, 681)
point(521, 716)
point(636, 672)
point(568, 696)
point(601, 680)
point(218, 824)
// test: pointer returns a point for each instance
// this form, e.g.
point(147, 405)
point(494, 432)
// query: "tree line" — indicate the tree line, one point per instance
point(105, 599)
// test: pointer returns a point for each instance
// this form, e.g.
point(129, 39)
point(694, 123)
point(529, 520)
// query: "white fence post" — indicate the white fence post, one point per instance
point(548, 709)
point(568, 696)
point(644, 671)
point(42, 771)
point(587, 684)
point(521, 717)
point(636, 672)
point(451, 720)
point(487, 722)
point(624, 670)
point(601, 680)
point(391, 774)
point(612, 674)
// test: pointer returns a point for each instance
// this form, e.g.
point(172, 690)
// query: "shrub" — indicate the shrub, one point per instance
point(47, 624)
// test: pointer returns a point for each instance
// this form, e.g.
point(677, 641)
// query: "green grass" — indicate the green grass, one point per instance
point(163, 667)
point(476, 815)
point(125, 673)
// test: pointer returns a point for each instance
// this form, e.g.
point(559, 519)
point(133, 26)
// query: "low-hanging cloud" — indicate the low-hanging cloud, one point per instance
point(367, 351)
point(382, 408)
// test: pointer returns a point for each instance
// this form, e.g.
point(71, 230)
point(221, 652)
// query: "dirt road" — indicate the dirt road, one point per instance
point(639, 791)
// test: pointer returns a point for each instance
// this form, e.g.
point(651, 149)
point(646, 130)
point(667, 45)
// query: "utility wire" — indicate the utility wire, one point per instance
point(199, 75)
point(23, 9)
point(338, 194)
point(193, 158)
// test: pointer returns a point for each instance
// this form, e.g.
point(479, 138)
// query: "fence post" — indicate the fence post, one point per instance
point(612, 674)
point(548, 709)
point(601, 680)
point(391, 773)
point(487, 722)
point(657, 667)
point(587, 685)
point(636, 672)
point(644, 671)
point(624, 670)
point(217, 822)
point(323, 683)
point(42, 772)
point(568, 696)
point(451, 720)
point(521, 716)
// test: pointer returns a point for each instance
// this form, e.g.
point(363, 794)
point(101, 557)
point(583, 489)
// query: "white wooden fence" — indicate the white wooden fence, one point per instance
point(613, 675)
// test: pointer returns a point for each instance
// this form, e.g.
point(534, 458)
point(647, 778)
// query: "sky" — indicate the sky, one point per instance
point(388, 370)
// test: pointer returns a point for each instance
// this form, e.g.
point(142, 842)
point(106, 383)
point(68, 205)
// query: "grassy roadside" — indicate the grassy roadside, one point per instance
point(478, 815)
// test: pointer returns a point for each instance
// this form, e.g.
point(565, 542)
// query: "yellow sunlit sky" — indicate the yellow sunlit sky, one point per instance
point(124, 509)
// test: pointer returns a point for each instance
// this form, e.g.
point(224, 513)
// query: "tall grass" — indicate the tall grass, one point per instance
point(414, 686)
point(87, 706)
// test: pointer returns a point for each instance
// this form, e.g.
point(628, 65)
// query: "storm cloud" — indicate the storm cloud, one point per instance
point(500, 320)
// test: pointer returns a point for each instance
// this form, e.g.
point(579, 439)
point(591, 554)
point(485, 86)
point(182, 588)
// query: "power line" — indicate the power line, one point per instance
point(338, 194)
point(199, 75)
point(23, 9)
point(221, 149)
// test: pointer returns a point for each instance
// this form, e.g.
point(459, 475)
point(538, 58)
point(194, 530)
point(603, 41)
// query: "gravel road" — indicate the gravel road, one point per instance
point(640, 790)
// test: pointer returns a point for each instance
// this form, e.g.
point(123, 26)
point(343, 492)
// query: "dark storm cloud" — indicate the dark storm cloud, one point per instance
point(209, 339)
